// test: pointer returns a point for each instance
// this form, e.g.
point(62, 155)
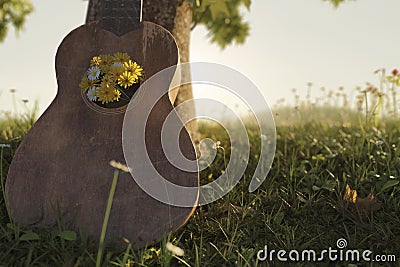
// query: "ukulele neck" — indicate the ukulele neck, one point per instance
point(121, 16)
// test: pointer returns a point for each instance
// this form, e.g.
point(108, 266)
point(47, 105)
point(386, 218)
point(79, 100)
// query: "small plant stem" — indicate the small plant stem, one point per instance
point(383, 82)
point(106, 217)
point(126, 254)
point(309, 94)
point(361, 124)
point(14, 102)
point(226, 169)
point(128, 98)
point(366, 110)
point(394, 100)
point(378, 110)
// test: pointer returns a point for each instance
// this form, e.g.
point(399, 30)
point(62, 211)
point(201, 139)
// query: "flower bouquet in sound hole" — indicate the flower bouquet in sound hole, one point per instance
point(111, 80)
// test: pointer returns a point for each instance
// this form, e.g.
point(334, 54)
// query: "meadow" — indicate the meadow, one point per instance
point(336, 175)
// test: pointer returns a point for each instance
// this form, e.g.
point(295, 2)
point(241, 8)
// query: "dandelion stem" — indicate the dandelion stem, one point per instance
point(122, 91)
point(106, 218)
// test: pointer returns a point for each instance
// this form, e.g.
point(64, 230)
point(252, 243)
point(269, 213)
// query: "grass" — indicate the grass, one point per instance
point(300, 206)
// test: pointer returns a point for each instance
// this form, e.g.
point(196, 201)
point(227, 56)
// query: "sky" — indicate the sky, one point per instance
point(291, 43)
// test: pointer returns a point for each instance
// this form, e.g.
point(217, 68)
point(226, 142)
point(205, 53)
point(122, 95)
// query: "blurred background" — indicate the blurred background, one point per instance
point(291, 45)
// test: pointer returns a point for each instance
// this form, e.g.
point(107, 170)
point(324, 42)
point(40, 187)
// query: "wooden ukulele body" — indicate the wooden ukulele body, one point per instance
point(61, 168)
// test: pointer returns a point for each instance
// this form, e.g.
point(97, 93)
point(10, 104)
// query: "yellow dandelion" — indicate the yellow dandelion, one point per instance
point(106, 94)
point(116, 69)
point(156, 251)
point(96, 61)
point(133, 68)
point(108, 74)
point(106, 59)
point(126, 79)
point(108, 80)
point(117, 95)
point(106, 62)
point(87, 84)
point(121, 57)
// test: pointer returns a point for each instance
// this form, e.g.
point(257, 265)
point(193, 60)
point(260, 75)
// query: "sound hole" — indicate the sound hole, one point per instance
point(111, 81)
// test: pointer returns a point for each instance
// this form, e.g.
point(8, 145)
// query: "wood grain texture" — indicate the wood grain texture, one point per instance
point(161, 12)
point(63, 162)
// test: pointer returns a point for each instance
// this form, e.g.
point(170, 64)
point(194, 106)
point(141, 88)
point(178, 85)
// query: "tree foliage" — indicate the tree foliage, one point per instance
point(223, 20)
point(336, 3)
point(13, 13)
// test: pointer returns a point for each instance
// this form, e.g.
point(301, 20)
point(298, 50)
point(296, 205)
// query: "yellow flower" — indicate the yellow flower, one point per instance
point(350, 195)
point(133, 68)
point(106, 62)
point(117, 95)
point(108, 80)
point(106, 94)
point(96, 61)
point(86, 84)
point(121, 57)
point(108, 74)
point(156, 251)
point(116, 69)
point(106, 59)
point(126, 79)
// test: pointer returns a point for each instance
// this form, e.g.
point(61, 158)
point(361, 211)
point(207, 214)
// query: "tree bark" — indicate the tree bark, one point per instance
point(93, 11)
point(181, 32)
point(176, 16)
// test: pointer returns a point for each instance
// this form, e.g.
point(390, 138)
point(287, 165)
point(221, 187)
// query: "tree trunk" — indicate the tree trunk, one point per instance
point(175, 16)
point(93, 11)
point(181, 32)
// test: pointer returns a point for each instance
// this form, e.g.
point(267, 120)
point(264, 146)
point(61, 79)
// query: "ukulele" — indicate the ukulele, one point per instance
point(61, 168)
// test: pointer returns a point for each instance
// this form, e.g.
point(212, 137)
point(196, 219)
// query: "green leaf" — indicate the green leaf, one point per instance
point(247, 4)
point(29, 236)
point(329, 185)
point(67, 235)
point(13, 13)
point(279, 217)
point(11, 226)
point(335, 3)
point(316, 188)
point(389, 184)
point(217, 7)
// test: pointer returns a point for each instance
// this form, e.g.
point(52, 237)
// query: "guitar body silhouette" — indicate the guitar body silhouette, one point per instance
point(61, 168)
